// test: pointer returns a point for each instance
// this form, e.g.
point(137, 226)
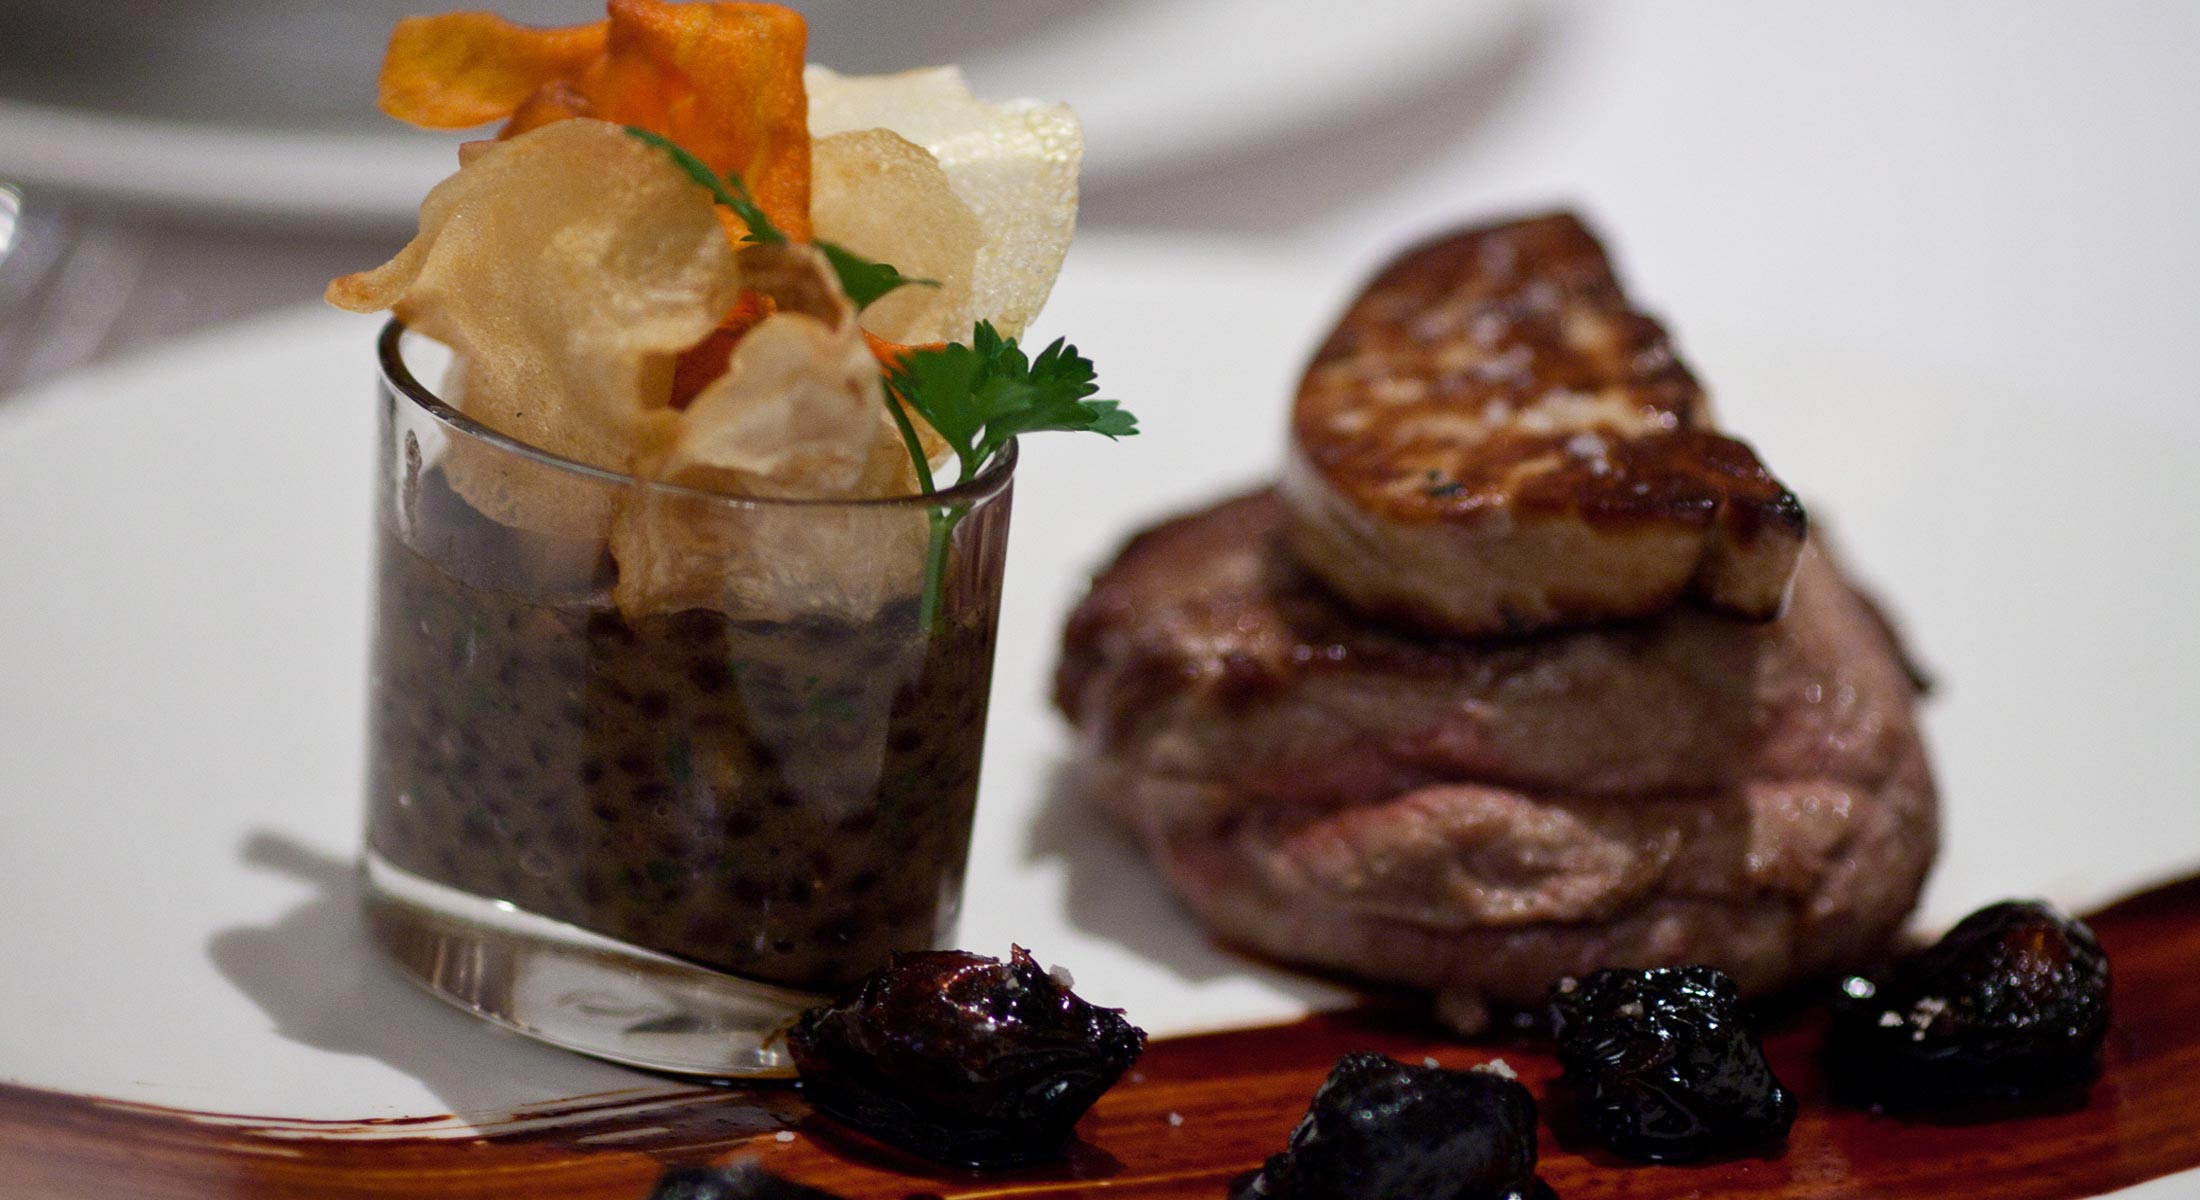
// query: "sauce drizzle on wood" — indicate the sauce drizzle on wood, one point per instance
point(1198, 1112)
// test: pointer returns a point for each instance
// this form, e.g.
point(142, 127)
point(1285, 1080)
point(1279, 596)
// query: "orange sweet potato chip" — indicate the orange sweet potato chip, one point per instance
point(463, 69)
point(722, 80)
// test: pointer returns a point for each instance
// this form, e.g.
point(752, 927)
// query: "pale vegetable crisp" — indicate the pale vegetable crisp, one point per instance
point(641, 276)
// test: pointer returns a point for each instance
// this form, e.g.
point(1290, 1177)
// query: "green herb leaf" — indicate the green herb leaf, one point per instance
point(729, 191)
point(862, 279)
point(761, 230)
point(979, 396)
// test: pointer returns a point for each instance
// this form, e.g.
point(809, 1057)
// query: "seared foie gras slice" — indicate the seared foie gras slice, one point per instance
point(1493, 442)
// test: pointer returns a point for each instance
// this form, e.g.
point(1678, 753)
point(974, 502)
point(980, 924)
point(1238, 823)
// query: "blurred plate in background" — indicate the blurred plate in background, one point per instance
point(265, 108)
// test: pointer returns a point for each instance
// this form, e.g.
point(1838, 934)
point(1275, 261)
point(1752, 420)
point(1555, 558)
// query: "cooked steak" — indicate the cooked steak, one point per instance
point(1493, 441)
point(1480, 817)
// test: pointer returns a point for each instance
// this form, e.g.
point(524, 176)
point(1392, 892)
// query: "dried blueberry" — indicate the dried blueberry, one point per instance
point(1664, 1066)
point(742, 1181)
point(963, 1059)
point(2011, 1005)
point(1381, 1130)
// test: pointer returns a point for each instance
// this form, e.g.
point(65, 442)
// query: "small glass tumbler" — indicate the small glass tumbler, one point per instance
point(652, 769)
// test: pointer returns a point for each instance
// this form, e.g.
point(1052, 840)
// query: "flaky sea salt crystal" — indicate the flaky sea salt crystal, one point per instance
point(1498, 1067)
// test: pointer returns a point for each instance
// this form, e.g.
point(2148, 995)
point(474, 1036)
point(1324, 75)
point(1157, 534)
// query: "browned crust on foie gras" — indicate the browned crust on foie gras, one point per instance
point(1492, 441)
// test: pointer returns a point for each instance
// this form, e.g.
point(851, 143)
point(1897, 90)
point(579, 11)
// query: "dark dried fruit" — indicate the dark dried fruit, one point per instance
point(741, 1181)
point(2011, 1005)
point(1664, 1065)
point(1381, 1130)
point(963, 1059)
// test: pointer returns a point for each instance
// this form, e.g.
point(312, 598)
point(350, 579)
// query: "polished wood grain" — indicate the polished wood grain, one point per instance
point(1198, 1112)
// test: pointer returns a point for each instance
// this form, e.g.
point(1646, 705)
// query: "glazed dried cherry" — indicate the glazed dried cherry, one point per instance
point(1381, 1130)
point(963, 1059)
point(741, 1181)
point(1664, 1064)
point(2011, 1005)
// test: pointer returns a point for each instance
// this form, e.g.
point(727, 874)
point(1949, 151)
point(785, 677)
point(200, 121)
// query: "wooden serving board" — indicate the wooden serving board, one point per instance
point(1196, 1113)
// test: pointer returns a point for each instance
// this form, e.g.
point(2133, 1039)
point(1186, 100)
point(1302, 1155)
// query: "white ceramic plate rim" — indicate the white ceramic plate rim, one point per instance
point(350, 1042)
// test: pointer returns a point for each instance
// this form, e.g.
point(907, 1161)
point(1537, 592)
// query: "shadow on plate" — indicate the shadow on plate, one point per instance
point(319, 979)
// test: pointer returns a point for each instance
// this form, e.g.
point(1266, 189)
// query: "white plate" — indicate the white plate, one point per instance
point(185, 543)
point(255, 108)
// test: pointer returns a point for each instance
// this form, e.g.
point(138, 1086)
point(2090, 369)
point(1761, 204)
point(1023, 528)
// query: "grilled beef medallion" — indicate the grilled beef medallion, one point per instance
point(1483, 817)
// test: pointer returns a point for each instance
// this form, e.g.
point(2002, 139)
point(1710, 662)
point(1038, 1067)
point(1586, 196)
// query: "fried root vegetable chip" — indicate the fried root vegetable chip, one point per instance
point(799, 414)
point(723, 80)
point(886, 198)
point(759, 561)
point(798, 411)
point(463, 69)
point(1012, 162)
point(567, 268)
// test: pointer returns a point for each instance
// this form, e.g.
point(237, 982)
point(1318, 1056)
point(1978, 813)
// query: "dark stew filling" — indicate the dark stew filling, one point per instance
point(786, 800)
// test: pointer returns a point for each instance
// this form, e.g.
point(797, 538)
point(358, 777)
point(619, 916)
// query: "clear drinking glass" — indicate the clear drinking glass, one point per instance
point(653, 769)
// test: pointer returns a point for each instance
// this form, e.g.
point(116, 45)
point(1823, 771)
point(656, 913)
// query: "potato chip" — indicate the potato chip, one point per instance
point(723, 80)
point(1013, 163)
point(795, 414)
point(599, 310)
point(568, 268)
point(799, 414)
point(761, 561)
point(706, 360)
point(887, 199)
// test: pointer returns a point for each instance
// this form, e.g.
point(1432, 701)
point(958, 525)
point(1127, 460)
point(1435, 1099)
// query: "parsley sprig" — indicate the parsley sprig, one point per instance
point(977, 397)
point(863, 279)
